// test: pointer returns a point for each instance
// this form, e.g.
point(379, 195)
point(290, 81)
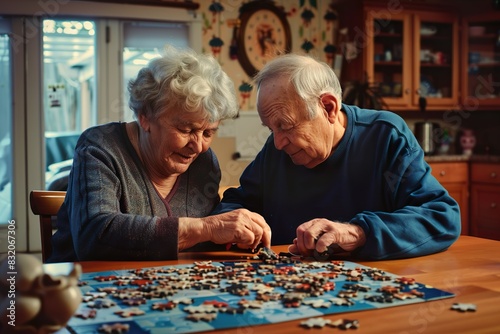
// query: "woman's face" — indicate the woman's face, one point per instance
point(175, 140)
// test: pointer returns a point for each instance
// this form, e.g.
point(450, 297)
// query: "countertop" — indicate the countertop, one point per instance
point(461, 157)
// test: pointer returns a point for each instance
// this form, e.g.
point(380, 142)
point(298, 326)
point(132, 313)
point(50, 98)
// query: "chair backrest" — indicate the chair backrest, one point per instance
point(46, 204)
point(224, 188)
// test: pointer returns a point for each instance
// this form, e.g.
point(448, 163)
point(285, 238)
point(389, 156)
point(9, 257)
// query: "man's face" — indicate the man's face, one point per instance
point(308, 142)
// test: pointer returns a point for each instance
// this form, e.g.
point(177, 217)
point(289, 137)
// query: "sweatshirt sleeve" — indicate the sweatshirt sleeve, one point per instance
point(422, 218)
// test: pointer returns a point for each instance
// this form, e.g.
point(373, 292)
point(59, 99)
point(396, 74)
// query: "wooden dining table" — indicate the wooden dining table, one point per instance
point(470, 269)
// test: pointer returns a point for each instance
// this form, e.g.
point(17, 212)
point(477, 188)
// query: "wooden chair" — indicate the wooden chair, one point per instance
point(46, 204)
point(224, 188)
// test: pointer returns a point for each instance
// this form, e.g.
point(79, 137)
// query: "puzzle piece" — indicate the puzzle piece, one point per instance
point(101, 303)
point(464, 307)
point(317, 303)
point(200, 309)
point(342, 301)
point(405, 280)
point(135, 301)
point(130, 312)
point(201, 316)
point(163, 306)
point(250, 303)
point(184, 301)
point(115, 328)
point(86, 314)
point(105, 278)
point(345, 324)
point(233, 310)
point(215, 303)
point(315, 322)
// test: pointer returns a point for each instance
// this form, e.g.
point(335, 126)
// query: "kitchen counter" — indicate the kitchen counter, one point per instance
point(461, 157)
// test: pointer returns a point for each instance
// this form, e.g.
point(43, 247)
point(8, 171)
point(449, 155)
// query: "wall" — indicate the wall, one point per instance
point(246, 134)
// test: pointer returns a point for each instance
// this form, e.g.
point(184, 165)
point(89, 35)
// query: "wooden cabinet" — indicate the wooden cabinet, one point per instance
point(485, 200)
point(406, 50)
point(481, 62)
point(413, 54)
point(454, 176)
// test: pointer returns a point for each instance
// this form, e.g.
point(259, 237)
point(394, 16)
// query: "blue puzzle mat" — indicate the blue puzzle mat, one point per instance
point(209, 295)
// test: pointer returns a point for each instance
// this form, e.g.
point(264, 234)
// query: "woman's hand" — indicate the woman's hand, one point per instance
point(243, 227)
point(318, 234)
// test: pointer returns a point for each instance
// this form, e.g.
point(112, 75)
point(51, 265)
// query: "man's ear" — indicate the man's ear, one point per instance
point(331, 106)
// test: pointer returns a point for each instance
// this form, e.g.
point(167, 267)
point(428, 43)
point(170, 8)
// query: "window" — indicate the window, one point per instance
point(68, 90)
point(143, 41)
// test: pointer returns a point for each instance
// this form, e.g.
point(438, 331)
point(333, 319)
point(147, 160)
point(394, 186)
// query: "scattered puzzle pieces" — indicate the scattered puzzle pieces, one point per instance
point(241, 287)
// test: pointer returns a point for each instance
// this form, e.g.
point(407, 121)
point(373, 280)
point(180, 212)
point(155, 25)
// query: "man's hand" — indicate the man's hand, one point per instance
point(318, 234)
point(243, 227)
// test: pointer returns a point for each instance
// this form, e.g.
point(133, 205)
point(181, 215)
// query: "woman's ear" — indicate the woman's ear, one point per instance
point(331, 106)
point(144, 123)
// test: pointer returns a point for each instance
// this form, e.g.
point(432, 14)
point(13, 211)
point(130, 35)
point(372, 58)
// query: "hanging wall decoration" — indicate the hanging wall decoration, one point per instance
point(216, 8)
point(329, 50)
point(307, 16)
point(307, 46)
point(216, 45)
point(329, 17)
point(245, 90)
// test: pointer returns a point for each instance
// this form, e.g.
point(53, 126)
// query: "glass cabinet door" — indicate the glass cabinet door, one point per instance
point(482, 62)
point(436, 59)
point(388, 56)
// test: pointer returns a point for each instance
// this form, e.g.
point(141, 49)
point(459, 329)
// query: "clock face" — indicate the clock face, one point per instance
point(264, 34)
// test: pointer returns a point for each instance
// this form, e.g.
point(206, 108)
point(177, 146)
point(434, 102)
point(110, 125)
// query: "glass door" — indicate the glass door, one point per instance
point(436, 57)
point(69, 92)
point(388, 56)
point(482, 62)
point(6, 154)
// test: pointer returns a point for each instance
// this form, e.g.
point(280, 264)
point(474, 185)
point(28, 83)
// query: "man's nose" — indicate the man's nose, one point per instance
point(280, 141)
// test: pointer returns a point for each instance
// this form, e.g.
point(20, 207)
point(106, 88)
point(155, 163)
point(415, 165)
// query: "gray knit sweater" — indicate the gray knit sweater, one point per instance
point(112, 210)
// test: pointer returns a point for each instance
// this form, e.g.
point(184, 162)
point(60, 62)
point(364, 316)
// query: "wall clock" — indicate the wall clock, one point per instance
point(264, 33)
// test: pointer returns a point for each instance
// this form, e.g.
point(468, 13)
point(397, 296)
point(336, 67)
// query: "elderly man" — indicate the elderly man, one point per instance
point(337, 178)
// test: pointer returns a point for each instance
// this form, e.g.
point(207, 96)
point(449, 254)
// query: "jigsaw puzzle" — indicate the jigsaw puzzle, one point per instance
point(207, 295)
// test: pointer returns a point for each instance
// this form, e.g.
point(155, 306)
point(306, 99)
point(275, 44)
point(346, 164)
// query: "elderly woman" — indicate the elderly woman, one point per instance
point(144, 190)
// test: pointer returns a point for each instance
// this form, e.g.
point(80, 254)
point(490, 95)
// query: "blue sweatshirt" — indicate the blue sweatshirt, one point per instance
point(377, 178)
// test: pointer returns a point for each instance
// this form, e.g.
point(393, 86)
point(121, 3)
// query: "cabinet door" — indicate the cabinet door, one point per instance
point(460, 193)
point(435, 59)
point(481, 62)
point(388, 55)
point(454, 177)
point(485, 217)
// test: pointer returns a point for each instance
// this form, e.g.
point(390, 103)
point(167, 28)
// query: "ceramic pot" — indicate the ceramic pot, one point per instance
point(467, 141)
point(42, 303)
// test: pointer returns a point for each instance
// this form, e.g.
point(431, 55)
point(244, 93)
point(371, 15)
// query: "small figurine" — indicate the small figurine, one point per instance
point(37, 301)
